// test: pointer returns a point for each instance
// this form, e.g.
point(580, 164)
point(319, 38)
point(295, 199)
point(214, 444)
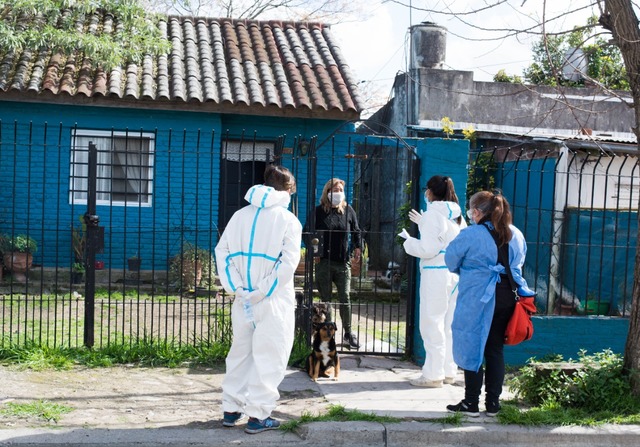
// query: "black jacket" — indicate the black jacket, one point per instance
point(334, 229)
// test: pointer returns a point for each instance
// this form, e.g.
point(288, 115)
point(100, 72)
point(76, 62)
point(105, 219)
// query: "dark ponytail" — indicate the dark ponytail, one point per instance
point(442, 189)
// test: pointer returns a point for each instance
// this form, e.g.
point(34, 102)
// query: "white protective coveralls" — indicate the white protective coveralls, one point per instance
point(438, 286)
point(256, 258)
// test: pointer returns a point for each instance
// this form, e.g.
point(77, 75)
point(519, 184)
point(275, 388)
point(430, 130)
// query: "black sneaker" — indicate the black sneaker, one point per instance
point(493, 408)
point(464, 407)
point(351, 340)
point(231, 419)
point(256, 425)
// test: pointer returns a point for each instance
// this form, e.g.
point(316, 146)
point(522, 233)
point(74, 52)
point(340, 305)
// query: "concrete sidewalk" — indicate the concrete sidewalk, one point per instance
point(181, 407)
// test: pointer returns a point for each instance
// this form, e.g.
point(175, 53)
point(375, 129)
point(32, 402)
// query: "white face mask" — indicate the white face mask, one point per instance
point(336, 198)
point(470, 215)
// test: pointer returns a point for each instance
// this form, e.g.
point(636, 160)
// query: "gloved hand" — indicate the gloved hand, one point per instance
point(254, 297)
point(241, 293)
point(403, 234)
point(415, 216)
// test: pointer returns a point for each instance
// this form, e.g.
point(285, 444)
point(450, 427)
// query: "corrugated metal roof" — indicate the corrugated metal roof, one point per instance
point(286, 65)
point(560, 134)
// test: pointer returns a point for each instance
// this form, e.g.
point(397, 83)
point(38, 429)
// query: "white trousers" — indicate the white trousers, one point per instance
point(438, 294)
point(257, 360)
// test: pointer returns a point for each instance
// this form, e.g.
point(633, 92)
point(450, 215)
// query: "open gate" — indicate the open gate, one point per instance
point(381, 184)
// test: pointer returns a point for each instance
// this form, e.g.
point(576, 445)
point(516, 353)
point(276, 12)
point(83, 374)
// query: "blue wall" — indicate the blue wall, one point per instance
point(568, 335)
point(186, 177)
point(439, 157)
point(598, 256)
point(529, 186)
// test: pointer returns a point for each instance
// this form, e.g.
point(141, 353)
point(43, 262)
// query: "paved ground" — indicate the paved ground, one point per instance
point(181, 407)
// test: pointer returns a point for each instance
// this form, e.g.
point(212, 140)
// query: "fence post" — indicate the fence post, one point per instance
point(91, 221)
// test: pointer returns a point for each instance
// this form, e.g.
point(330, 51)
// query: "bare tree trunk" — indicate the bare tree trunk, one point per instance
point(619, 18)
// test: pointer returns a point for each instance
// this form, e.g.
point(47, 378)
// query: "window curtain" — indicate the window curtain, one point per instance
point(81, 167)
point(133, 158)
point(233, 150)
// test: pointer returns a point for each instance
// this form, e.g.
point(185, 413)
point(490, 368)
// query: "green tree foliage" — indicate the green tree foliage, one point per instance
point(502, 76)
point(605, 64)
point(62, 26)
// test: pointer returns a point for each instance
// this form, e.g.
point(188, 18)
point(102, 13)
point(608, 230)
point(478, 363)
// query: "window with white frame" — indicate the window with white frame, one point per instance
point(248, 150)
point(124, 168)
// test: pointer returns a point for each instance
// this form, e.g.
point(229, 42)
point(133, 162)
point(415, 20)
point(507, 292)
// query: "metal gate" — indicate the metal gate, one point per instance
point(381, 176)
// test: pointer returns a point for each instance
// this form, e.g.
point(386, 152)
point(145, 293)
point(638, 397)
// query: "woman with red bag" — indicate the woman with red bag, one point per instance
point(485, 299)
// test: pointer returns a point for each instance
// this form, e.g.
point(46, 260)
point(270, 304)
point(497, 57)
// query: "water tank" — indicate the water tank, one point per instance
point(575, 64)
point(428, 45)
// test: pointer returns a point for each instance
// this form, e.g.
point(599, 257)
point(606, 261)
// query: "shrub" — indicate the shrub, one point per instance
point(600, 384)
point(192, 267)
point(20, 243)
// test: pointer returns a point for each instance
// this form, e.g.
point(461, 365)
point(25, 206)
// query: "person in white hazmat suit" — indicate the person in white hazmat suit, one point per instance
point(256, 258)
point(438, 226)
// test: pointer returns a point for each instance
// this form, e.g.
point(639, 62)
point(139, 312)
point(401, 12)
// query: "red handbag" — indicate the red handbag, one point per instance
point(520, 326)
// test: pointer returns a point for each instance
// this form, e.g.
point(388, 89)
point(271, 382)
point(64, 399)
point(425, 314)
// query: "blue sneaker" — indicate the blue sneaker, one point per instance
point(256, 425)
point(231, 419)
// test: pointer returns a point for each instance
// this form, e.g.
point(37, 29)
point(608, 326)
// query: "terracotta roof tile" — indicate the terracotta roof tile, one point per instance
point(283, 64)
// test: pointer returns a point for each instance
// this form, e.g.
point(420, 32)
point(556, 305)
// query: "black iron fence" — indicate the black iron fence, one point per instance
point(139, 265)
point(123, 224)
point(578, 209)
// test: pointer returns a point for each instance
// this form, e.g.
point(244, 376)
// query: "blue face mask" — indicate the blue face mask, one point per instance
point(426, 201)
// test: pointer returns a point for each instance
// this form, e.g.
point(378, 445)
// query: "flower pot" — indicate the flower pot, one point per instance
point(597, 308)
point(77, 277)
point(300, 269)
point(134, 264)
point(19, 264)
point(356, 267)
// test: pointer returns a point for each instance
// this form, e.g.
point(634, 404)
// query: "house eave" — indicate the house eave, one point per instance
point(182, 106)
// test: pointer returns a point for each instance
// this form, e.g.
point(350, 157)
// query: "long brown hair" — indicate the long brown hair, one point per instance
point(442, 189)
point(495, 208)
point(324, 198)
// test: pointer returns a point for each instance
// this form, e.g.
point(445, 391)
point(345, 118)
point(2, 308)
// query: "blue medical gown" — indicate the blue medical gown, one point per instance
point(473, 255)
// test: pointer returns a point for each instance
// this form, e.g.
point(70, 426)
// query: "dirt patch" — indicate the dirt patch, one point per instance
point(134, 397)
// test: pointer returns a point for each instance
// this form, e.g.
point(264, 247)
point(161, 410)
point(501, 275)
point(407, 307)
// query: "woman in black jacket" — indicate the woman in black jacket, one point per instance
point(337, 226)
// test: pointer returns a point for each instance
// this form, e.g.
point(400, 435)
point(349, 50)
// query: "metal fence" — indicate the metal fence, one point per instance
point(139, 266)
point(125, 231)
point(578, 210)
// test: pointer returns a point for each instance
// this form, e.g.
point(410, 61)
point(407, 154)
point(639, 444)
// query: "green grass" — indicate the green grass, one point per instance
point(554, 414)
point(141, 353)
point(41, 409)
point(337, 413)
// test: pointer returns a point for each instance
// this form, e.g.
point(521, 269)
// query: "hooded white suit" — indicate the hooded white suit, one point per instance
point(438, 286)
point(256, 258)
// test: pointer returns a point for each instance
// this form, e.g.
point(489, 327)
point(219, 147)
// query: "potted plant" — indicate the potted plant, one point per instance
point(134, 263)
point(77, 272)
point(192, 267)
point(17, 253)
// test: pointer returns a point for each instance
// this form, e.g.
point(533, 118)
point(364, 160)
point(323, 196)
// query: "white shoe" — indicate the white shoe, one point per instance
point(421, 381)
point(449, 380)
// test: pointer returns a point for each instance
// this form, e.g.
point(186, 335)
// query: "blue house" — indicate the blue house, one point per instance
point(179, 138)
